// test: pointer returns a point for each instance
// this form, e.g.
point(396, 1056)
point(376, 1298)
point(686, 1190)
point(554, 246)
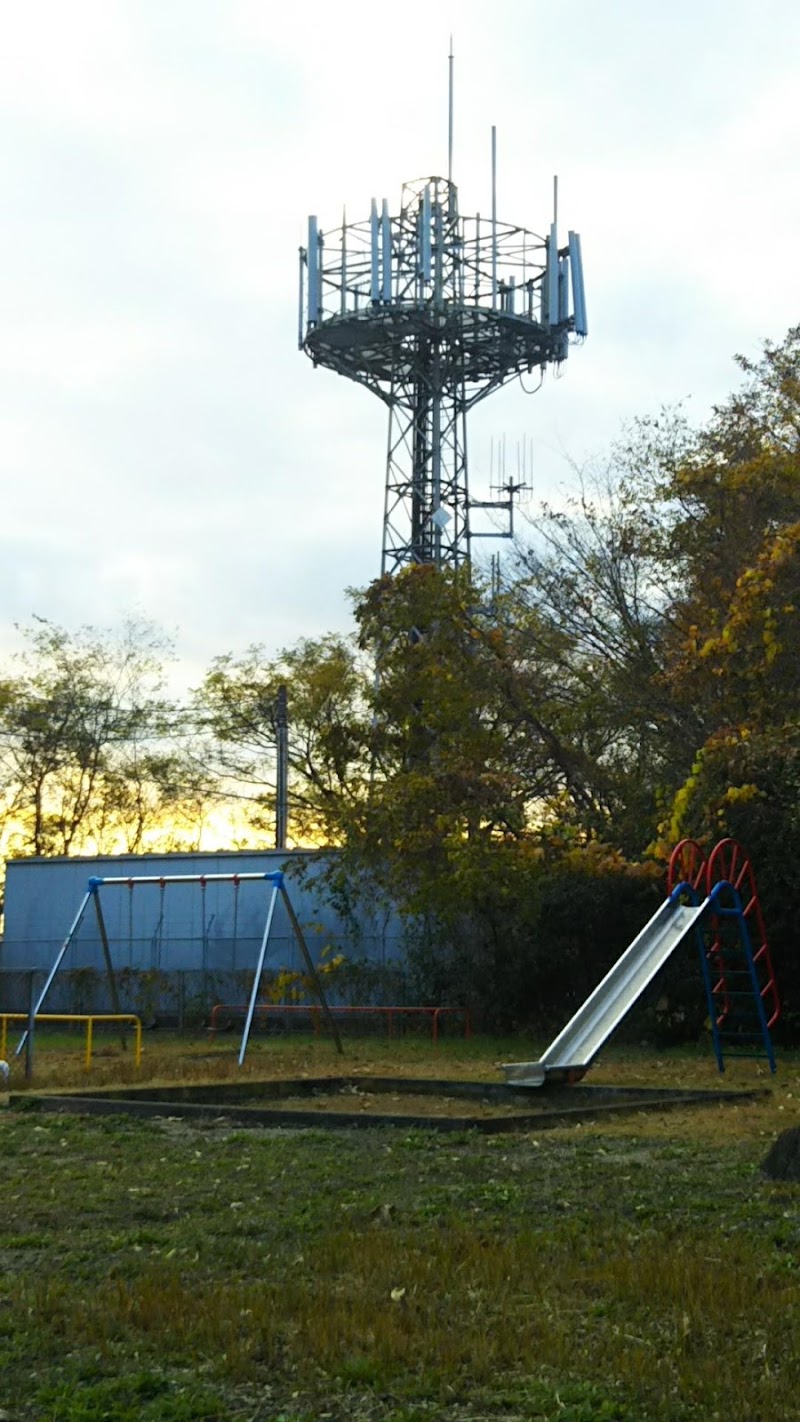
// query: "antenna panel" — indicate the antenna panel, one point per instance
point(301, 307)
point(314, 291)
point(375, 283)
point(552, 276)
point(425, 244)
point(386, 252)
point(563, 290)
point(578, 293)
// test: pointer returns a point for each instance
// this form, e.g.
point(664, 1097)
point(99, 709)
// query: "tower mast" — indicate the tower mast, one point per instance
point(433, 311)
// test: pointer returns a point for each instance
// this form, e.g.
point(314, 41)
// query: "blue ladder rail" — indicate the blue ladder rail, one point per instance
point(725, 908)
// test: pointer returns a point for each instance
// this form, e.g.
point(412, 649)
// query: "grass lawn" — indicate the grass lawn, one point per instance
point(161, 1271)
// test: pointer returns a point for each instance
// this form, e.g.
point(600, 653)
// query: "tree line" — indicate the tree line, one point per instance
point(513, 772)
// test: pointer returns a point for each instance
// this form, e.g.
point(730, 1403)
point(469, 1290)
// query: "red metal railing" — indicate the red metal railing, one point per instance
point(276, 1009)
point(729, 862)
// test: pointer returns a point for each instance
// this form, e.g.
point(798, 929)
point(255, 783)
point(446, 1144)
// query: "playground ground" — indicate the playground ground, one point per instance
point(639, 1268)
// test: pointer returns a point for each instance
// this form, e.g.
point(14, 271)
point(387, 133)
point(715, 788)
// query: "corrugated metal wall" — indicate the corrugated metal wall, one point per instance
point(210, 934)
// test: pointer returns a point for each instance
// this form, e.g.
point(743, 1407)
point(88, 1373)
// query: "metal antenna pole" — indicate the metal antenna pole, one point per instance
point(436, 469)
point(343, 307)
point(450, 114)
point(494, 217)
point(282, 778)
point(436, 383)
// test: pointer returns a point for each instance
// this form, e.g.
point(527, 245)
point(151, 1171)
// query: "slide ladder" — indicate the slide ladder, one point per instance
point(716, 899)
point(742, 992)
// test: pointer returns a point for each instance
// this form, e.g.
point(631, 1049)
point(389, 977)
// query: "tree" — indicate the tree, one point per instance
point(87, 759)
point(736, 535)
point(475, 752)
point(593, 578)
point(670, 581)
point(328, 691)
point(468, 723)
point(737, 532)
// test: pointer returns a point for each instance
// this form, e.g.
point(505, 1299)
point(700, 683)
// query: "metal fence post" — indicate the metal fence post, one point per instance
point(31, 1025)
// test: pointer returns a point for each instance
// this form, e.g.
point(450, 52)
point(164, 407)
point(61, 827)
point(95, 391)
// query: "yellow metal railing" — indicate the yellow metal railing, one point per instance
point(88, 1017)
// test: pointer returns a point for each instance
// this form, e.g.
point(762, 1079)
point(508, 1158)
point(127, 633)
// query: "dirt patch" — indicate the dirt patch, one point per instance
point(352, 1098)
point(409, 1103)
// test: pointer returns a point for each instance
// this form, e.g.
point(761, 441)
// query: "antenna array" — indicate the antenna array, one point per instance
point(432, 311)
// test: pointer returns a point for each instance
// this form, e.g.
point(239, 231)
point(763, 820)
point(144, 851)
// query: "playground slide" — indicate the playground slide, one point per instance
point(574, 1049)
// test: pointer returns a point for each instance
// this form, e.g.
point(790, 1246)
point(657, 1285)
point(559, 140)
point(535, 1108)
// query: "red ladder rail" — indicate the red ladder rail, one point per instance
point(729, 862)
point(687, 865)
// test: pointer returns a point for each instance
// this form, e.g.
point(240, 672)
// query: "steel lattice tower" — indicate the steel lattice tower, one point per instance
point(432, 312)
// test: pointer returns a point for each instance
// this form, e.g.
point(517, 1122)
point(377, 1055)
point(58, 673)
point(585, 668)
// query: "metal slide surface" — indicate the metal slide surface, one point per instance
point(575, 1048)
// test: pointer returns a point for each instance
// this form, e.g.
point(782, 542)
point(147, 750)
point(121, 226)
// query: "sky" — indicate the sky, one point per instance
point(165, 449)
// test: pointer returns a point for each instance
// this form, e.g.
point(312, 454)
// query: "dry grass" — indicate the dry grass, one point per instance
point(168, 1057)
point(638, 1269)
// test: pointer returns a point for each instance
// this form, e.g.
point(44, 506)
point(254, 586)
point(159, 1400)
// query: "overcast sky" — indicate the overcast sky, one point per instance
point(164, 446)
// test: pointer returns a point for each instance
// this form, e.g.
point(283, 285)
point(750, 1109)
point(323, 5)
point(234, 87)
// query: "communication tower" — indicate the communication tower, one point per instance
point(432, 311)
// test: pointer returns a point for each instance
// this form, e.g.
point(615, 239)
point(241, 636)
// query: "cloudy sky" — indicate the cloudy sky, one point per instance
point(164, 446)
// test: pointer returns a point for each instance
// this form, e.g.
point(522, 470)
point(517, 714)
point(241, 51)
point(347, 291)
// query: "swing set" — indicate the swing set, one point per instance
point(278, 889)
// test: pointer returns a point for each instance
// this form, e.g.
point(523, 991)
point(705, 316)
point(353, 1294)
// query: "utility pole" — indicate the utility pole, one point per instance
point(282, 775)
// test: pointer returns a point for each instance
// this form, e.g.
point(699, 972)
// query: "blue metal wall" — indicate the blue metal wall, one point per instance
point(183, 927)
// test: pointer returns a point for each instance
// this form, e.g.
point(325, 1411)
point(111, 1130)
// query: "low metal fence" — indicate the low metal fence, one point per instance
point(88, 1020)
point(224, 1012)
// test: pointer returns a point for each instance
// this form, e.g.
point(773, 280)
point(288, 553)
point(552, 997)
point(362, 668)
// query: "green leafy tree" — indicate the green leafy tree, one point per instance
point(737, 536)
point(477, 749)
point(471, 739)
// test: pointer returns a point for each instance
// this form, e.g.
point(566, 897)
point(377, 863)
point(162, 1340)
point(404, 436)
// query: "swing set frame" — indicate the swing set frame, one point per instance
point(274, 877)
